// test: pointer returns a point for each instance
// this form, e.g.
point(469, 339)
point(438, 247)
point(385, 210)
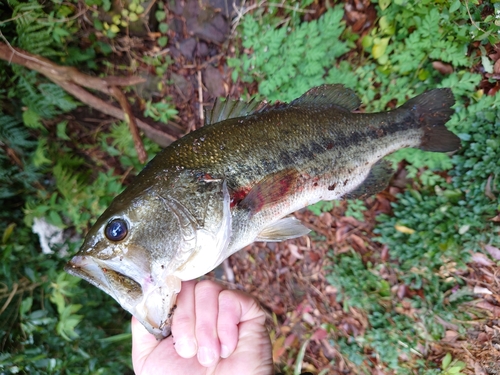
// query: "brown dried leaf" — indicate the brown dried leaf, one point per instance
point(319, 334)
point(481, 259)
point(494, 251)
point(294, 249)
point(358, 243)
point(450, 336)
point(478, 369)
point(495, 310)
point(496, 67)
point(442, 67)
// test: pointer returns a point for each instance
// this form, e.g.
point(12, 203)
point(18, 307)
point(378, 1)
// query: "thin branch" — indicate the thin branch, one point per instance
point(470, 16)
point(71, 80)
point(11, 295)
point(200, 95)
point(122, 99)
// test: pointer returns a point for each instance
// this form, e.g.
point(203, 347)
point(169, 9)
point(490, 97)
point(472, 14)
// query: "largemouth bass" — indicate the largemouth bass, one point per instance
point(235, 180)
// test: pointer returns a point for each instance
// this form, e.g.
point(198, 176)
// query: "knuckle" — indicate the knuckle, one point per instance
point(182, 321)
point(205, 329)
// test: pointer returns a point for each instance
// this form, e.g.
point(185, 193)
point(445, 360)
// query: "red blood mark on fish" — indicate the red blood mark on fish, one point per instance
point(271, 190)
point(238, 195)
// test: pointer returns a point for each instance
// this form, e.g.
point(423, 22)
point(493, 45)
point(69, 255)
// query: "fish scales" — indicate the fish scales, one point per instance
point(235, 180)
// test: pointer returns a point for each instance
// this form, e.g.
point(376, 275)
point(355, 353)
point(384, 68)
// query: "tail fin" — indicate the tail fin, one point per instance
point(432, 110)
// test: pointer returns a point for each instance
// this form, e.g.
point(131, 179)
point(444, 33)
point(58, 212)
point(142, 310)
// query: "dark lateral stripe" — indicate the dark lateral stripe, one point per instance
point(315, 148)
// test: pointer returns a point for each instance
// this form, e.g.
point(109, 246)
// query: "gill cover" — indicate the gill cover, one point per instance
point(204, 239)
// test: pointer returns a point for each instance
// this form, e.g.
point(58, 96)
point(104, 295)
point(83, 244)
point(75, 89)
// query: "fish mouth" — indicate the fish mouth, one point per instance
point(150, 303)
point(104, 278)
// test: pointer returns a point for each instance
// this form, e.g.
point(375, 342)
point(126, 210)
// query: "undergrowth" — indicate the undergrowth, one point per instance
point(51, 322)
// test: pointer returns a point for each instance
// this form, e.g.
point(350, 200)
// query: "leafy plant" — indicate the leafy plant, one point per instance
point(308, 49)
point(450, 367)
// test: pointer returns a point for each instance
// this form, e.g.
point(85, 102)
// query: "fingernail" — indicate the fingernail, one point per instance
point(186, 347)
point(224, 351)
point(206, 356)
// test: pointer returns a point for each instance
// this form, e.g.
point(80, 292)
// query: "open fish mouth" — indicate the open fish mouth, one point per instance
point(102, 276)
point(150, 303)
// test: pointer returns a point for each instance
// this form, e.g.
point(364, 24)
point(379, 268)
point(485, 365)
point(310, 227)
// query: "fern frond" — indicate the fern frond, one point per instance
point(14, 134)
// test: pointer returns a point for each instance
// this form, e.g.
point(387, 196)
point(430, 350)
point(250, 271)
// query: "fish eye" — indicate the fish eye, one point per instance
point(116, 230)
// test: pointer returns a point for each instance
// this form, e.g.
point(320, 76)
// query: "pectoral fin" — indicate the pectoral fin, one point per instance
point(283, 229)
point(377, 180)
point(270, 190)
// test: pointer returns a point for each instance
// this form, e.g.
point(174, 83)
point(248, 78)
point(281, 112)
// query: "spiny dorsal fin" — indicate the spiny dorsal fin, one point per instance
point(230, 108)
point(283, 229)
point(329, 94)
point(377, 180)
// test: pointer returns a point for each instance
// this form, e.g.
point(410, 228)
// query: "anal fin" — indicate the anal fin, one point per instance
point(283, 229)
point(377, 180)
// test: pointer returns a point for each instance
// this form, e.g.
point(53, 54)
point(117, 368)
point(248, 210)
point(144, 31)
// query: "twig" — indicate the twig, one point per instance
point(229, 271)
point(122, 99)
point(57, 20)
point(241, 11)
point(470, 16)
point(200, 96)
point(72, 81)
point(11, 295)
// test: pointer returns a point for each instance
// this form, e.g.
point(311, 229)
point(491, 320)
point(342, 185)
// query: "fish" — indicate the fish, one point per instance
point(237, 179)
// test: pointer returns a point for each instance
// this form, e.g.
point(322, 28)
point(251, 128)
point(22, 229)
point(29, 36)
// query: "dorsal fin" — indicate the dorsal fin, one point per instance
point(230, 108)
point(329, 94)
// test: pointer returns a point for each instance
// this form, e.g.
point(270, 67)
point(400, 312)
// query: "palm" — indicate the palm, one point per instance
point(247, 359)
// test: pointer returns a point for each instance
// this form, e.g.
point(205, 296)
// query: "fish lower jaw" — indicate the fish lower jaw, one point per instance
point(156, 307)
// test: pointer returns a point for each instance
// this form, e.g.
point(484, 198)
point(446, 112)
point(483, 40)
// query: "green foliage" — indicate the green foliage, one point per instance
point(51, 322)
point(355, 208)
point(40, 318)
point(15, 180)
point(160, 111)
point(322, 206)
point(450, 367)
point(309, 48)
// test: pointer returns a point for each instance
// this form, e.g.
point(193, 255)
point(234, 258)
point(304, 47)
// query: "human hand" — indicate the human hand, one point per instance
point(214, 331)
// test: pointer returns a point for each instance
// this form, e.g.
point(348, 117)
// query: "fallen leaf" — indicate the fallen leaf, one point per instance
point(442, 68)
point(290, 340)
point(481, 259)
point(496, 67)
point(494, 251)
point(319, 334)
point(495, 310)
point(481, 290)
point(403, 229)
point(306, 317)
point(478, 369)
point(294, 249)
point(278, 348)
